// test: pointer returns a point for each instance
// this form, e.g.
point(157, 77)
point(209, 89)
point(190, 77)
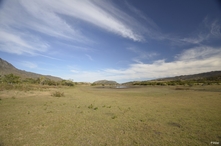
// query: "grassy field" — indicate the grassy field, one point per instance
point(88, 115)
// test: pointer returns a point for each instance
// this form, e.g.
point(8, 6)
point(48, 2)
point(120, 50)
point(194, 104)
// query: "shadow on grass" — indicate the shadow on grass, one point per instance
point(173, 124)
point(1, 144)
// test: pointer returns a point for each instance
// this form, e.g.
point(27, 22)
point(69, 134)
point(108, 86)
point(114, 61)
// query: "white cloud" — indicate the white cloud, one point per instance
point(207, 30)
point(202, 52)
point(46, 17)
point(192, 61)
point(19, 43)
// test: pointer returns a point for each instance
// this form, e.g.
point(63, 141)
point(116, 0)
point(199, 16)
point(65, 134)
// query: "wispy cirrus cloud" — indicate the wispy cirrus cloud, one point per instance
point(141, 55)
point(24, 24)
point(215, 29)
point(29, 64)
point(150, 30)
point(208, 30)
point(28, 14)
point(140, 14)
point(89, 57)
point(21, 43)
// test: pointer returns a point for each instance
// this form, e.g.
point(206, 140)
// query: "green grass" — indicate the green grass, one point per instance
point(105, 116)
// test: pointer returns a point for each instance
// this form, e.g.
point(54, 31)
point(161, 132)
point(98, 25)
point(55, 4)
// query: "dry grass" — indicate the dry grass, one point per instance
point(102, 116)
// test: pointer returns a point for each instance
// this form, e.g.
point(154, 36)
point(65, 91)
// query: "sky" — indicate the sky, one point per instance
point(126, 40)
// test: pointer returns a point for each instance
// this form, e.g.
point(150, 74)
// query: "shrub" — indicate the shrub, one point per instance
point(58, 94)
point(11, 78)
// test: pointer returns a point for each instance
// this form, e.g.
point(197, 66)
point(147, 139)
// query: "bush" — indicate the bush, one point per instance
point(58, 94)
point(11, 78)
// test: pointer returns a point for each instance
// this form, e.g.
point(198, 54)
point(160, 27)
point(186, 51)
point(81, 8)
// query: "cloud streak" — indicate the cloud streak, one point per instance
point(21, 43)
point(29, 64)
point(28, 14)
point(89, 57)
point(141, 55)
point(208, 30)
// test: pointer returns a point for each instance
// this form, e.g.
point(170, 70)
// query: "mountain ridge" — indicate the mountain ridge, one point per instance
point(192, 76)
point(8, 68)
point(214, 76)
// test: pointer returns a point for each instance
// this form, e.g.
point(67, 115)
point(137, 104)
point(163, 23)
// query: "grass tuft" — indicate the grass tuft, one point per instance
point(91, 106)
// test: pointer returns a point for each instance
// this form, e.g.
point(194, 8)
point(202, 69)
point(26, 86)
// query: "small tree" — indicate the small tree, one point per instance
point(42, 79)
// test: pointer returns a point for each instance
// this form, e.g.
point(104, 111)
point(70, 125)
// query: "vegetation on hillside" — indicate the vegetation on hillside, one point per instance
point(14, 79)
point(213, 80)
point(104, 82)
point(7, 68)
point(178, 82)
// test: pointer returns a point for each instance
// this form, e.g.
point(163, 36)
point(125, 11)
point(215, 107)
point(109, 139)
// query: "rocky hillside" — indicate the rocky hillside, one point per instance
point(7, 68)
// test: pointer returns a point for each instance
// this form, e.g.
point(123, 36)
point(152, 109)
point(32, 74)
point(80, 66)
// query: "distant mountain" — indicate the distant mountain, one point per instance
point(7, 68)
point(212, 74)
point(105, 82)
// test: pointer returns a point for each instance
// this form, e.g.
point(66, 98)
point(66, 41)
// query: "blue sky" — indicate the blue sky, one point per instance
point(127, 40)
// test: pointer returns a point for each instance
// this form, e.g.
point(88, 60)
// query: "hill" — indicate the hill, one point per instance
point(213, 75)
point(7, 68)
point(105, 82)
point(207, 77)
